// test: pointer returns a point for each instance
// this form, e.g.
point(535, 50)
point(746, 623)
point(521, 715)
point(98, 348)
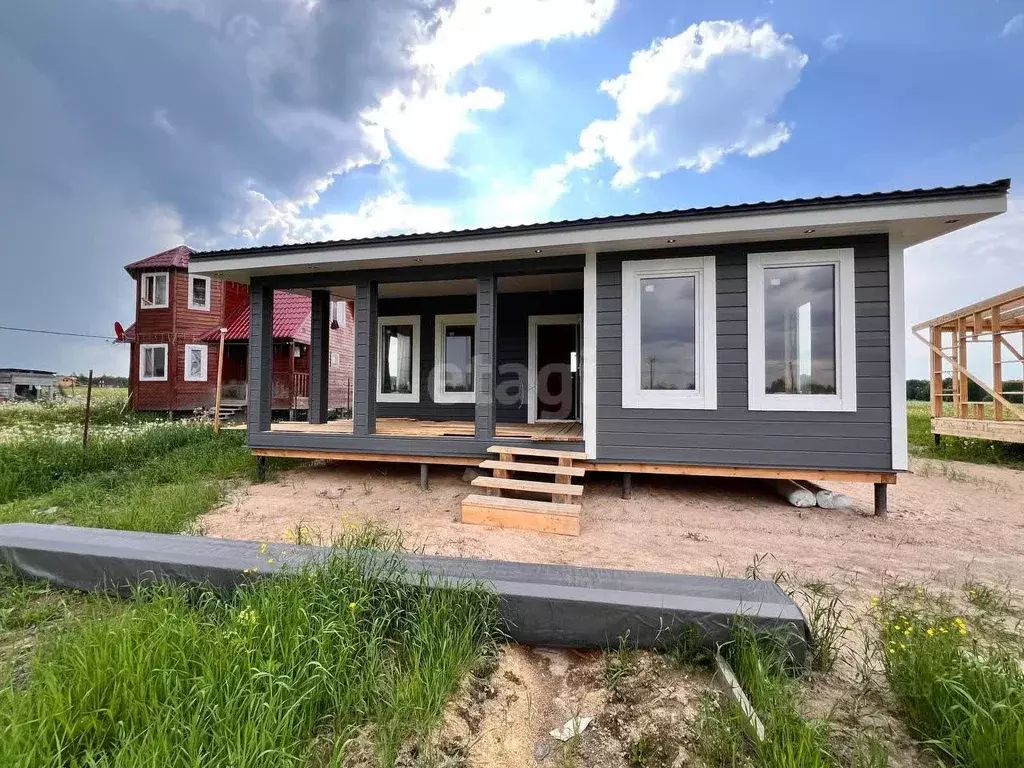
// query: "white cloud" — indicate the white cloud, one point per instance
point(689, 101)
point(1013, 26)
point(426, 126)
point(833, 42)
point(961, 268)
point(425, 121)
point(389, 213)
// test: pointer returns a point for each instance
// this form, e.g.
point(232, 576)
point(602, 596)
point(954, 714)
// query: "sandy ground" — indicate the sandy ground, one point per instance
point(945, 520)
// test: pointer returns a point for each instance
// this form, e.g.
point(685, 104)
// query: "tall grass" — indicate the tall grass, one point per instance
point(162, 493)
point(109, 406)
point(961, 695)
point(39, 464)
point(290, 671)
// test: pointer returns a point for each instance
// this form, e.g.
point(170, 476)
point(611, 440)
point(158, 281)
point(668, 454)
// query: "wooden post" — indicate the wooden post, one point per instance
point(424, 476)
point(881, 500)
point(997, 360)
point(965, 392)
point(88, 411)
point(627, 485)
point(220, 377)
point(261, 468)
point(936, 371)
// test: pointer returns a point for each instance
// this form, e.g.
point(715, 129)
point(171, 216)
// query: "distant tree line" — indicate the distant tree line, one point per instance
point(103, 380)
point(918, 389)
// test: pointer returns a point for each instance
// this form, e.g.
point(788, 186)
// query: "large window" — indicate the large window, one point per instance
point(668, 333)
point(801, 345)
point(153, 290)
point(153, 362)
point(454, 351)
point(198, 292)
point(196, 356)
point(398, 359)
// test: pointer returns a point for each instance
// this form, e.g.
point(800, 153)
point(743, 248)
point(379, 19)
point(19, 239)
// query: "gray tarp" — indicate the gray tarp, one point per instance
point(545, 605)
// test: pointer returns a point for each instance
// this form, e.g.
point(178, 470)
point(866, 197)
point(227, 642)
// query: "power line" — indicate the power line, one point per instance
point(56, 333)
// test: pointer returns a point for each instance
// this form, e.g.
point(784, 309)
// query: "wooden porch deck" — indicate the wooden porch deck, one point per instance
point(569, 431)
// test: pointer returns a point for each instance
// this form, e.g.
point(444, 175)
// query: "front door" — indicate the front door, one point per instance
point(555, 368)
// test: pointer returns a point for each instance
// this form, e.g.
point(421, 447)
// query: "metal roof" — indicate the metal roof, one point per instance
point(1000, 186)
point(291, 320)
point(174, 258)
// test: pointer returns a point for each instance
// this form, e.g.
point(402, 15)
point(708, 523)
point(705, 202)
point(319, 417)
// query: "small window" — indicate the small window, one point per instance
point(198, 292)
point(454, 357)
point(335, 359)
point(668, 333)
point(339, 314)
point(801, 346)
point(154, 290)
point(195, 362)
point(153, 362)
point(398, 359)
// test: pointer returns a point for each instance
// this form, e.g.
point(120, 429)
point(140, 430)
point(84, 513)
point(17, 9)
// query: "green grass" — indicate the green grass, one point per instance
point(922, 443)
point(959, 692)
point(36, 465)
point(290, 671)
point(108, 407)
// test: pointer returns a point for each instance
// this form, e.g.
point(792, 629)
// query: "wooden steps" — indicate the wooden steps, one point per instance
point(529, 486)
point(502, 509)
point(544, 469)
point(523, 514)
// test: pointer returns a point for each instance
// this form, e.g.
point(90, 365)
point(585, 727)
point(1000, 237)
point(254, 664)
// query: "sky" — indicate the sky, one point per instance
point(130, 126)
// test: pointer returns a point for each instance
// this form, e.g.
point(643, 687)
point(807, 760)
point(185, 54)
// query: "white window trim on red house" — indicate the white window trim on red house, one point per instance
point(148, 276)
point(205, 352)
point(143, 348)
point(192, 279)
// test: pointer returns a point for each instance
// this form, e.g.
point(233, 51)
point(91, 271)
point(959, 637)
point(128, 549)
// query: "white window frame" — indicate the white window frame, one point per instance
point(142, 362)
point(845, 399)
point(199, 278)
point(705, 396)
point(399, 397)
point(142, 290)
point(441, 323)
point(206, 360)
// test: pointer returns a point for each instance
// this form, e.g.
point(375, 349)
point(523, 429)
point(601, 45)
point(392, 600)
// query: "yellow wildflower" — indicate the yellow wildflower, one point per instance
point(352, 607)
point(270, 561)
point(263, 548)
point(931, 632)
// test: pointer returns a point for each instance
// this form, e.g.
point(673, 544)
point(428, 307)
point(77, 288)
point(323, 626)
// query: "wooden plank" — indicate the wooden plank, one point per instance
point(936, 373)
point(543, 469)
point(539, 452)
point(1003, 298)
point(530, 486)
point(961, 329)
point(759, 473)
point(997, 360)
point(541, 516)
point(732, 688)
point(1003, 431)
point(392, 458)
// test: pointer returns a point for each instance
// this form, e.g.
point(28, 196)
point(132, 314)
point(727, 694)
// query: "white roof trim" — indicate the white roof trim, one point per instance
point(917, 221)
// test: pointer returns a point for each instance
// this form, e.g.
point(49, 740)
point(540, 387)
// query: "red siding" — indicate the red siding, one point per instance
point(342, 348)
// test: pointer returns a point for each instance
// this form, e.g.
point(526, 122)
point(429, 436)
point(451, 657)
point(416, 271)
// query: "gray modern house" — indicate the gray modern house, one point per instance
point(756, 340)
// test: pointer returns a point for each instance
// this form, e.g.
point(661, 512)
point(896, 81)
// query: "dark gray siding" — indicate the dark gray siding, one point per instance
point(732, 435)
point(514, 309)
point(364, 413)
point(261, 350)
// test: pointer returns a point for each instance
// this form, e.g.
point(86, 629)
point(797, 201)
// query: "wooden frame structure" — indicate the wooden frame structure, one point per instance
point(998, 322)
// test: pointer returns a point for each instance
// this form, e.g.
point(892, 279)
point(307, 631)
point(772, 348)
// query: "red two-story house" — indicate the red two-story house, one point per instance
point(175, 341)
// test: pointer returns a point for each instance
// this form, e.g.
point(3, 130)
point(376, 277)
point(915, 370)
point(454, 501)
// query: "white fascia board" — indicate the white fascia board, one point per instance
point(612, 237)
point(897, 356)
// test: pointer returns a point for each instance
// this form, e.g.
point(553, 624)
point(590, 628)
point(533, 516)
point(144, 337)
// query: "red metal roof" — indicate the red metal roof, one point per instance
point(173, 258)
point(291, 320)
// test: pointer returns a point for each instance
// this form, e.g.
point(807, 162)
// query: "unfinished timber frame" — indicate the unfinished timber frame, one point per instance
point(673, 357)
point(998, 323)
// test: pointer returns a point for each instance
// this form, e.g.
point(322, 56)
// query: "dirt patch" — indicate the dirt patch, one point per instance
point(945, 519)
point(507, 718)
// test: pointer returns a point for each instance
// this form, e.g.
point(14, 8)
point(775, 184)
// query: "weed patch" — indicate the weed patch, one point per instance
point(284, 672)
point(958, 692)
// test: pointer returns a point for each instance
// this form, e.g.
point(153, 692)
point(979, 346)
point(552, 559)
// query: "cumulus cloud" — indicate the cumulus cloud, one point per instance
point(1013, 26)
point(690, 100)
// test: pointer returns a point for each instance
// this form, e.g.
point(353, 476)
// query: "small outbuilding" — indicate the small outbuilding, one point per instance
point(27, 384)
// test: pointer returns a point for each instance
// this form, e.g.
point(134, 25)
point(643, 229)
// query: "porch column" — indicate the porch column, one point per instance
point(319, 350)
point(486, 327)
point(364, 405)
point(261, 351)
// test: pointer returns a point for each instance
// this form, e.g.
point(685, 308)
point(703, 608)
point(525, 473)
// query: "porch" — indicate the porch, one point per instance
point(545, 431)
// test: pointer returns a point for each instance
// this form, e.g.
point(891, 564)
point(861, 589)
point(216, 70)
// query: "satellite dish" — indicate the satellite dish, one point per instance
point(118, 331)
